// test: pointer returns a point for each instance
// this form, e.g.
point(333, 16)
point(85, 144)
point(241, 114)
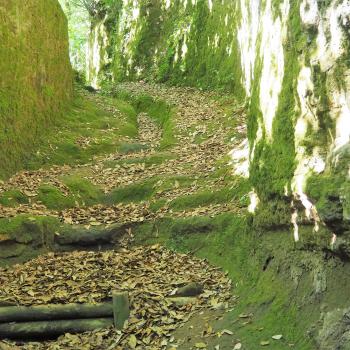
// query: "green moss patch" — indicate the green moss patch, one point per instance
point(129, 127)
point(81, 193)
point(84, 120)
point(13, 198)
point(161, 112)
point(132, 193)
point(127, 148)
point(205, 198)
point(84, 192)
point(53, 198)
point(156, 159)
point(84, 132)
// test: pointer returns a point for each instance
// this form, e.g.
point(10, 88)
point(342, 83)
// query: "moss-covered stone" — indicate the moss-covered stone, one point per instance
point(24, 237)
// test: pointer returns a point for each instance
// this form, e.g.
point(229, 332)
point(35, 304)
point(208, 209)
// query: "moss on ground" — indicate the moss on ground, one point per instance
point(132, 193)
point(130, 127)
point(156, 159)
point(161, 112)
point(85, 121)
point(84, 192)
point(127, 148)
point(205, 198)
point(12, 198)
point(81, 193)
point(53, 198)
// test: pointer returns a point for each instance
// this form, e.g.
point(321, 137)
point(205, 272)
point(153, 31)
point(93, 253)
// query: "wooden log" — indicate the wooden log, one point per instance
point(182, 301)
point(51, 329)
point(190, 290)
point(121, 308)
point(55, 312)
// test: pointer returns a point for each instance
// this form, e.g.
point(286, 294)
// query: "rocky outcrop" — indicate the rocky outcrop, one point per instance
point(36, 78)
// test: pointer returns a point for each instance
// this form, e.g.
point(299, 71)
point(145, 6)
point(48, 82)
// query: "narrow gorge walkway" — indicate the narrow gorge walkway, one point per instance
point(128, 171)
point(201, 142)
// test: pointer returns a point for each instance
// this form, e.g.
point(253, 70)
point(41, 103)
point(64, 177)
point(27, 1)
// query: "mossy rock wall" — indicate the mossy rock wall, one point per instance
point(288, 60)
point(36, 77)
point(181, 42)
point(298, 122)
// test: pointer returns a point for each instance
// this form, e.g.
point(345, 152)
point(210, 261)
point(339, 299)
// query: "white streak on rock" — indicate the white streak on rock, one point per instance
point(309, 13)
point(247, 38)
point(254, 202)
point(294, 220)
point(240, 159)
point(274, 32)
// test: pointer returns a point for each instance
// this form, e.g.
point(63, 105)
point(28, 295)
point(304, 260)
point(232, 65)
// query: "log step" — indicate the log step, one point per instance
point(55, 312)
point(51, 329)
point(50, 321)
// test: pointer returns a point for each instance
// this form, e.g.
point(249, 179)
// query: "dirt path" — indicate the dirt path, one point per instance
point(197, 114)
point(142, 181)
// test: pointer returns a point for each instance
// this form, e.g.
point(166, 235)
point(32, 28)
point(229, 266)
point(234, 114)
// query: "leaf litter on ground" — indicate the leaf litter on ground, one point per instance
point(194, 109)
point(149, 274)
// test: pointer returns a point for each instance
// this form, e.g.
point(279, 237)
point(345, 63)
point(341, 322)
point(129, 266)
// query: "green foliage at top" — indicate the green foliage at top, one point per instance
point(78, 29)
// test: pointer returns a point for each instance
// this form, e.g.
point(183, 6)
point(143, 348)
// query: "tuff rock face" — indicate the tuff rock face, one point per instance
point(289, 60)
point(36, 79)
